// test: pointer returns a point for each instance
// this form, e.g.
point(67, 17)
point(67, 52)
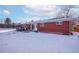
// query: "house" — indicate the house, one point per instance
point(6, 25)
point(55, 25)
point(76, 25)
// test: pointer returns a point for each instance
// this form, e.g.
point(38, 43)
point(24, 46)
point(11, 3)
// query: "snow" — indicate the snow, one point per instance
point(18, 42)
point(53, 20)
point(2, 30)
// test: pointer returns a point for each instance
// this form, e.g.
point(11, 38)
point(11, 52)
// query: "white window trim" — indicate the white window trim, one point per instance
point(59, 23)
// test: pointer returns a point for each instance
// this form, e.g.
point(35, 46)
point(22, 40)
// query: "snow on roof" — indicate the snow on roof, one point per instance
point(54, 20)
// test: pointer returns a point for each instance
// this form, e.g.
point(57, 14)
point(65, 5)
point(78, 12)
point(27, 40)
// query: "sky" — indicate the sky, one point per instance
point(25, 13)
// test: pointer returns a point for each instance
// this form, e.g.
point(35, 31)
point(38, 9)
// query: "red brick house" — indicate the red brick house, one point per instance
point(60, 25)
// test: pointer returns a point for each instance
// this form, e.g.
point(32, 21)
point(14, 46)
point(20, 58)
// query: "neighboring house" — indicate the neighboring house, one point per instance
point(7, 26)
point(24, 27)
point(76, 25)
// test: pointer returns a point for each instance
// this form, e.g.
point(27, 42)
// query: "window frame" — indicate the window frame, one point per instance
point(59, 23)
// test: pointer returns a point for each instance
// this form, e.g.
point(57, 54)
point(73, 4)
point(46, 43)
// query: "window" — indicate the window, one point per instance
point(59, 23)
point(41, 25)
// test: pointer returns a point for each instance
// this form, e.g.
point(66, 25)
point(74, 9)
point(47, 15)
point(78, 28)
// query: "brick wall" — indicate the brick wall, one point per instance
point(53, 27)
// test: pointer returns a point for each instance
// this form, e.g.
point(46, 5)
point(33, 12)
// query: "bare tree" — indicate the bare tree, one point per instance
point(65, 11)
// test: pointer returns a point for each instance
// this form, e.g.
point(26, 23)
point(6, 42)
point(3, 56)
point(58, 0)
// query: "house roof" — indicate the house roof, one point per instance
point(54, 20)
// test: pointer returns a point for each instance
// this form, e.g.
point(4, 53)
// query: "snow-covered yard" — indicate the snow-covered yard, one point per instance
point(3, 30)
point(38, 42)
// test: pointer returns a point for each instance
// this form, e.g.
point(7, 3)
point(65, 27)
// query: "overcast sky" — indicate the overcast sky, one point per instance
point(23, 13)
